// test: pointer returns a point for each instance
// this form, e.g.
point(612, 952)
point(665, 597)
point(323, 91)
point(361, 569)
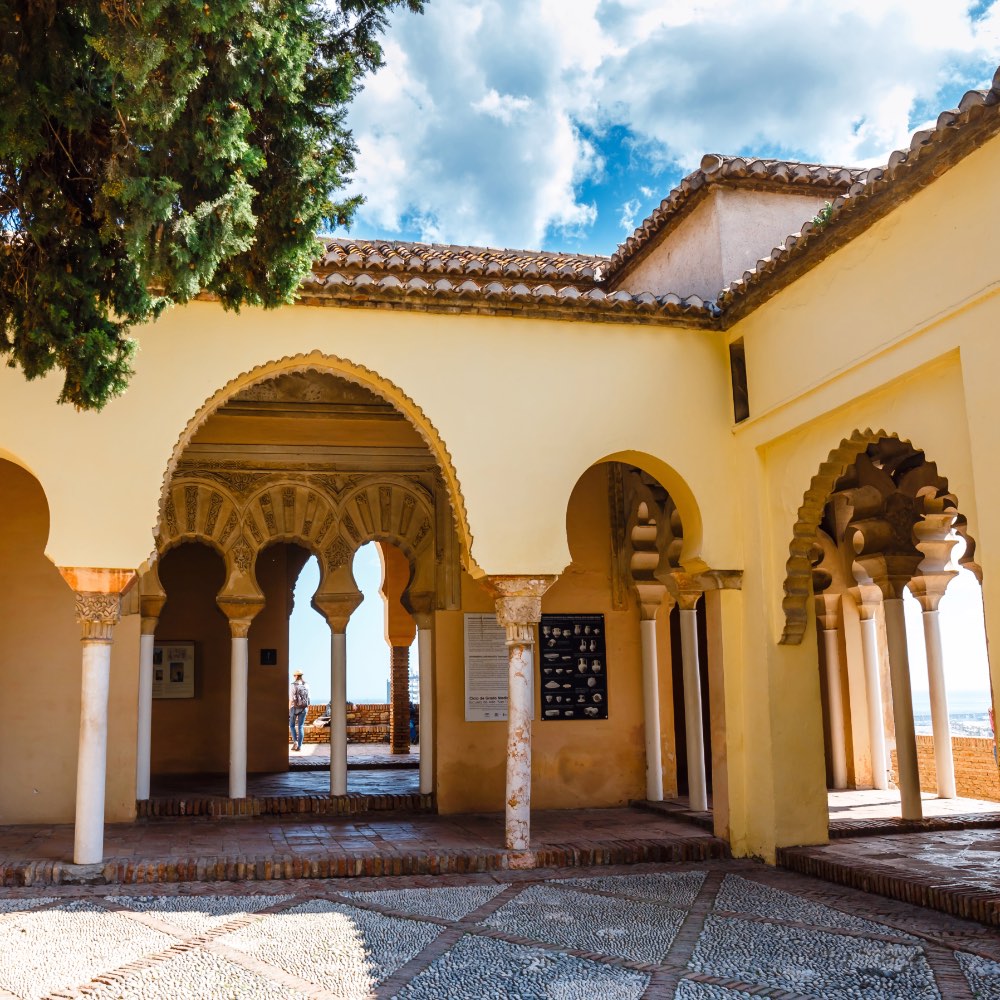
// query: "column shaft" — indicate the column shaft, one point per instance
point(518, 804)
point(238, 671)
point(651, 711)
point(144, 726)
point(425, 640)
point(873, 696)
point(693, 727)
point(835, 696)
point(88, 841)
point(944, 761)
point(338, 713)
point(399, 682)
point(902, 709)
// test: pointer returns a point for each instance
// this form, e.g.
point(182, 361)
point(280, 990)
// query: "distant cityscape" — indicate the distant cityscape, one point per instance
point(968, 712)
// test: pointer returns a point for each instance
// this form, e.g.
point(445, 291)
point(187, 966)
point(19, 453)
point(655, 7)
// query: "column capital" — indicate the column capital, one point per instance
point(685, 589)
point(519, 604)
point(936, 540)
point(828, 611)
point(98, 593)
point(652, 596)
point(241, 612)
point(337, 608)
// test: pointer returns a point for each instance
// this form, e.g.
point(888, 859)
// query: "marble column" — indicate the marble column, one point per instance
point(519, 607)
point(693, 725)
point(902, 709)
point(828, 621)
point(648, 612)
point(337, 610)
point(98, 609)
point(936, 539)
point(150, 606)
point(425, 647)
point(869, 598)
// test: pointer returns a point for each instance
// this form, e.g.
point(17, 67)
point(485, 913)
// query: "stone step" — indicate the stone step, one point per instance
point(221, 807)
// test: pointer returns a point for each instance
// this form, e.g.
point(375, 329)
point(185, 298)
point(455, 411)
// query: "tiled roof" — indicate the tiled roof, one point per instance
point(931, 151)
point(777, 175)
point(372, 287)
point(479, 263)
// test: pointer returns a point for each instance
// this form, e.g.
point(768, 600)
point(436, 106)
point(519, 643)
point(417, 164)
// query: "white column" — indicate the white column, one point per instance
point(873, 695)
point(338, 711)
point(838, 744)
point(695, 736)
point(651, 710)
point(425, 649)
point(144, 726)
point(88, 842)
point(97, 613)
point(519, 609)
point(518, 803)
point(902, 709)
point(239, 668)
point(944, 761)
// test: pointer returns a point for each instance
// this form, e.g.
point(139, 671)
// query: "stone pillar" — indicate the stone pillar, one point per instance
point(337, 610)
point(519, 609)
point(150, 606)
point(425, 645)
point(936, 540)
point(399, 711)
point(868, 598)
point(902, 709)
point(648, 610)
point(241, 612)
point(400, 631)
point(828, 620)
point(98, 609)
point(693, 726)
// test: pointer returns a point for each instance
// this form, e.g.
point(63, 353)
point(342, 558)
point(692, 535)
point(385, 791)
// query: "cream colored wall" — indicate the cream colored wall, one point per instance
point(574, 764)
point(540, 399)
point(40, 675)
point(725, 235)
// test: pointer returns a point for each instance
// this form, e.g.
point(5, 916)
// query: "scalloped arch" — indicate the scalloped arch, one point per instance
point(359, 375)
point(798, 569)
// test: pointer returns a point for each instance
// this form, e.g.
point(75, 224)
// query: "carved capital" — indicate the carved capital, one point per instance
point(337, 608)
point(240, 611)
point(519, 604)
point(98, 614)
point(685, 589)
point(828, 611)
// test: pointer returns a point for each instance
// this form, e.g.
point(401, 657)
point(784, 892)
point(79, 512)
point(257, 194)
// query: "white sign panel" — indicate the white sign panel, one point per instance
point(173, 670)
point(485, 669)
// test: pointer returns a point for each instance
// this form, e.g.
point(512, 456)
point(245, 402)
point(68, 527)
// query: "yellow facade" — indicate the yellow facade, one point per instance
point(522, 412)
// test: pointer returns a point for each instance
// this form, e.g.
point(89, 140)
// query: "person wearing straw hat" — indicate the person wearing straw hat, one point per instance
point(298, 702)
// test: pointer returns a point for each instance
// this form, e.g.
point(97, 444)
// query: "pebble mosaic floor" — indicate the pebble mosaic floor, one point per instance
point(730, 930)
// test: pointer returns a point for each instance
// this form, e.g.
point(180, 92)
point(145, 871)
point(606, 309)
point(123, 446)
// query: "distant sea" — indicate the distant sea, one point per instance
point(967, 711)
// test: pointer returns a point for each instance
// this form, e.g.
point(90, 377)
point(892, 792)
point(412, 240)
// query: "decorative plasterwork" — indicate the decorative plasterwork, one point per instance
point(519, 604)
point(97, 614)
point(878, 529)
point(166, 525)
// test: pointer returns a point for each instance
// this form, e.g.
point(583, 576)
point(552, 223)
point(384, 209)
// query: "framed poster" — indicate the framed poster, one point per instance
point(173, 670)
point(572, 658)
point(485, 669)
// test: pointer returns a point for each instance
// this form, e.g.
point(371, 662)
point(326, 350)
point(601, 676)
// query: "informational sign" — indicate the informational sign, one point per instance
point(173, 670)
point(485, 669)
point(572, 658)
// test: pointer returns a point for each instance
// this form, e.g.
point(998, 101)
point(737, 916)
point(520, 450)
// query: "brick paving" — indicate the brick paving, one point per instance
point(737, 930)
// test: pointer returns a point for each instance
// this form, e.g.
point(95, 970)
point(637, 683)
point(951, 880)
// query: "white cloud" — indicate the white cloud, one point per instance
point(628, 217)
point(475, 131)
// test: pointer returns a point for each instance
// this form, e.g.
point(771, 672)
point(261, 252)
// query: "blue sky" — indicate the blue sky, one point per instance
point(560, 124)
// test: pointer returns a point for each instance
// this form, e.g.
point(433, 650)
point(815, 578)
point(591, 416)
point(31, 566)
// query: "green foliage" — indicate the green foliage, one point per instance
point(822, 217)
point(151, 150)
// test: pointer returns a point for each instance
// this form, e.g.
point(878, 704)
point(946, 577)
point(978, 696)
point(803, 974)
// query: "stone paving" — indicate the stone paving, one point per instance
point(717, 930)
point(300, 781)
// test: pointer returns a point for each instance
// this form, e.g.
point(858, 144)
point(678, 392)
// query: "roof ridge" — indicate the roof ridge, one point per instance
point(461, 247)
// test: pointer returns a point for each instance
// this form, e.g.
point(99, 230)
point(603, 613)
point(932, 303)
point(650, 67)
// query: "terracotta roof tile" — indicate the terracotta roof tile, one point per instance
point(380, 256)
point(930, 152)
point(819, 178)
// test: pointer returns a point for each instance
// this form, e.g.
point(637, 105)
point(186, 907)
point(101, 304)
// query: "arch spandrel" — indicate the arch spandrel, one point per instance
point(358, 374)
point(799, 566)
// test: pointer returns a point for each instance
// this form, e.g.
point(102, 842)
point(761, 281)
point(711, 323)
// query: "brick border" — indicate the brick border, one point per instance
point(220, 807)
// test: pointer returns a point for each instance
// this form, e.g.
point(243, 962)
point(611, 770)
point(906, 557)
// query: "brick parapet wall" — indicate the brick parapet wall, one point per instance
point(976, 772)
point(366, 723)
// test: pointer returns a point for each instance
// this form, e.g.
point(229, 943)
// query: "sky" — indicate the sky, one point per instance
point(561, 124)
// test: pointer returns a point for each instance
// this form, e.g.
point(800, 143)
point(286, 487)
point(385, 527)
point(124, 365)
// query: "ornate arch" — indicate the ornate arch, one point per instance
point(800, 564)
point(359, 375)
